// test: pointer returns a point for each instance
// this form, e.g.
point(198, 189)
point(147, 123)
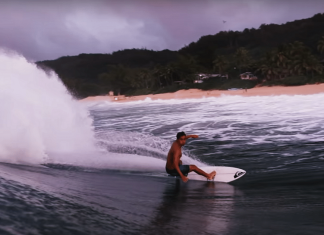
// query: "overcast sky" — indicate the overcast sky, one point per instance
point(48, 29)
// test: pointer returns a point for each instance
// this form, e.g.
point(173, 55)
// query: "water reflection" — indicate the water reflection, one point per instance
point(193, 208)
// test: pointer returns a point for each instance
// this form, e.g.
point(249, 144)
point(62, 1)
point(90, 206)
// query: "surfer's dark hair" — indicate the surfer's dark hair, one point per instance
point(180, 134)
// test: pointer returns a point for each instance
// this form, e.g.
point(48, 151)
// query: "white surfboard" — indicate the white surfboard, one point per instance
point(223, 174)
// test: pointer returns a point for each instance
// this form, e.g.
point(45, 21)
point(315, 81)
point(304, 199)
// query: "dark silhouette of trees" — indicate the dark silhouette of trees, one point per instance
point(276, 53)
point(220, 64)
point(242, 58)
point(268, 66)
point(293, 59)
point(320, 46)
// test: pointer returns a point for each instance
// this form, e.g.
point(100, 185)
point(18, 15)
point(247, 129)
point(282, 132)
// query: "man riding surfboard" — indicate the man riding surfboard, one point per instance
point(174, 165)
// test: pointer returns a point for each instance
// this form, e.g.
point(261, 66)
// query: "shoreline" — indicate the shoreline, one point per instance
point(196, 93)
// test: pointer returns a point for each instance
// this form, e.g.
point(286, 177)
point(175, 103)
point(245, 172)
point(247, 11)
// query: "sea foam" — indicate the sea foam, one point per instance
point(38, 115)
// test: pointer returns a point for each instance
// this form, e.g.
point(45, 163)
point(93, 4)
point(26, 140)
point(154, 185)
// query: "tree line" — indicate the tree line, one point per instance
point(284, 60)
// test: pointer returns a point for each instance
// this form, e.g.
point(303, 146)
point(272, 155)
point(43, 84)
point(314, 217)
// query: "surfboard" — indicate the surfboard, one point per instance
point(223, 174)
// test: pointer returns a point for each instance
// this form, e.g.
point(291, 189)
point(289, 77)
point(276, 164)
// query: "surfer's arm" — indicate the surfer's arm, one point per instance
point(191, 136)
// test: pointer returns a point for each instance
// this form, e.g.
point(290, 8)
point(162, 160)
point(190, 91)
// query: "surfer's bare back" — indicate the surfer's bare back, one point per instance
point(174, 165)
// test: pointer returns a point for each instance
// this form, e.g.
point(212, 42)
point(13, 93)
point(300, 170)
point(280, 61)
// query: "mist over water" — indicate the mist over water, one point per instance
point(38, 116)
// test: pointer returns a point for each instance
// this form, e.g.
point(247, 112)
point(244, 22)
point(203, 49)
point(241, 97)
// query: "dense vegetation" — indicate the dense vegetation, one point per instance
point(287, 54)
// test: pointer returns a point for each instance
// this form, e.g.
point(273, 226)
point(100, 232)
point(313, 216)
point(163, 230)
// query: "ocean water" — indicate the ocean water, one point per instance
point(68, 167)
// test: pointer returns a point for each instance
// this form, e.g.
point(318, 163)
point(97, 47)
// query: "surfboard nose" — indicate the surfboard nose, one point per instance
point(239, 174)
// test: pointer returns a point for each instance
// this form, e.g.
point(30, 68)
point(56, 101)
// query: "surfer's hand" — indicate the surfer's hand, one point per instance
point(195, 136)
point(184, 179)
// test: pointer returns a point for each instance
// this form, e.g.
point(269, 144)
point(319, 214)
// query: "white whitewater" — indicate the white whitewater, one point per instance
point(38, 115)
point(281, 117)
point(42, 123)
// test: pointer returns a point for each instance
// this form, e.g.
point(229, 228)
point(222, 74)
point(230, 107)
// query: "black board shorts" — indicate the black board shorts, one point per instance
point(183, 168)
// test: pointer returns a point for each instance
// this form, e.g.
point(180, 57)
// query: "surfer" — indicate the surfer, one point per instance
point(174, 165)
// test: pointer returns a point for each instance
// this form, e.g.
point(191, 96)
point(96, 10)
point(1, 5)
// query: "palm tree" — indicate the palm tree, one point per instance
point(134, 79)
point(268, 66)
point(185, 68)
point(220, 63)
point(145, 76)
point(320, 45)
point(270, 71)
point(281, 55)
point(301, 61)
point(165, 74)
point(170, 71)
point(288, 60)
point(314, 65)
point(296, 48)
point(116, 78)
point(242, 58)
point(280, 59)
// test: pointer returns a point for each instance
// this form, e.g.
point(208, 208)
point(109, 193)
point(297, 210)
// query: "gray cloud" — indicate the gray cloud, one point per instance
point(49, 29)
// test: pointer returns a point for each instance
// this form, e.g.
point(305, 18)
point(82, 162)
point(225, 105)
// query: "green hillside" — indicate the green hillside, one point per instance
point(288, 54)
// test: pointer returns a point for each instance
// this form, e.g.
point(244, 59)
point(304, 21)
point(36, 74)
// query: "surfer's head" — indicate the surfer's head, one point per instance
point(181, 138)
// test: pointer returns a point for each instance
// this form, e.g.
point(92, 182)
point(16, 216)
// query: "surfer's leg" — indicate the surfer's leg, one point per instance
point(209, 176)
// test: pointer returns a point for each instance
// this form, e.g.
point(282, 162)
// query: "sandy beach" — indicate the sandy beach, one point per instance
point(196, 94)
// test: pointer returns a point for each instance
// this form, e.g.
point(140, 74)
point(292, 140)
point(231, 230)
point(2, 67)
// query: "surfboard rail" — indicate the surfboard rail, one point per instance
point(224, 174)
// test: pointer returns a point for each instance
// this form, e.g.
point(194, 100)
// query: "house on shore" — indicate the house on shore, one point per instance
point(248, 76)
